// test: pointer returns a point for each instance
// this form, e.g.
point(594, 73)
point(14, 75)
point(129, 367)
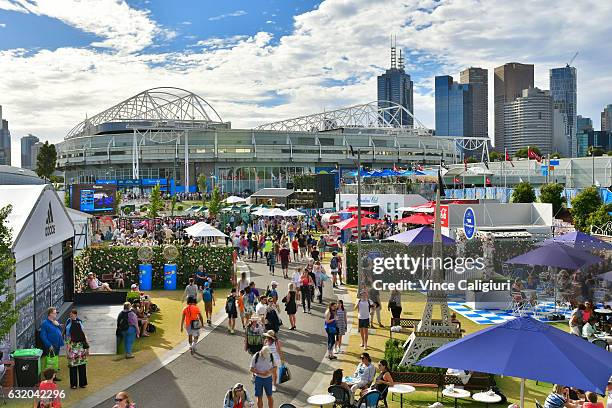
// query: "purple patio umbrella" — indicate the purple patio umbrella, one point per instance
point(526, 348)
point(419, 236)
point(607, 276)
point(580, 240)
point(556, 254)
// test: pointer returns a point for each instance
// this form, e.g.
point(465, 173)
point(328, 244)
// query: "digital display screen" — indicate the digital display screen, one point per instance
point(94, 198)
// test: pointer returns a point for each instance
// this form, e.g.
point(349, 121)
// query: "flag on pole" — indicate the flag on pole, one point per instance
point(488, 181)
point(508, 158)
point(533, 155)
point(394, 167)
point(457, 180)
point(485, 161)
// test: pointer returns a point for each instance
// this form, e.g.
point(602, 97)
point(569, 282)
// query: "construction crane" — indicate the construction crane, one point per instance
point(573, 58)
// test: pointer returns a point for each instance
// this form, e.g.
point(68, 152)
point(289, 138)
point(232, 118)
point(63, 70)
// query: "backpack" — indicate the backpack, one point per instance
point(122, 322)
point(230, 304)
point(207, 295)
point(333, 264)
point(257, 358)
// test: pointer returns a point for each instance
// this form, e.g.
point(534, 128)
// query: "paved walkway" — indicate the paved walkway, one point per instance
point(202, 380)
point(100, 322)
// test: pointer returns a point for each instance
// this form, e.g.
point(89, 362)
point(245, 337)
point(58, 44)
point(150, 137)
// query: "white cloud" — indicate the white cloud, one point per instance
point(270, 22)
point(2, 25)
point(121, 27)
point(252, 79)
point(236, 13)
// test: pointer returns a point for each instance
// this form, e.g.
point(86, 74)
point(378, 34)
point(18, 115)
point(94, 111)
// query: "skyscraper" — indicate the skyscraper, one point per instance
point(528, 121)
point(5, 141)
point(583, 124)
point(606, 119)
point(396, 86)
point(453, 107)
point(508, 83)
point(27, 161)
point(478, 79)
point(564, 96)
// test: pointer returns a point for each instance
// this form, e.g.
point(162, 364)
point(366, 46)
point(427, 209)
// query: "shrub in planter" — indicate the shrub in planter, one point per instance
point(180, 208)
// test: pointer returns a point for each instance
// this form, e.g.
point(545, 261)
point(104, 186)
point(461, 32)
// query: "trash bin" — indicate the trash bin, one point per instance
point(27, 366)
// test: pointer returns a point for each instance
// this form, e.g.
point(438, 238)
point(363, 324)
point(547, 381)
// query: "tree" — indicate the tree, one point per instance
point(598, 151)
point(214, 206)
point(118, 198)
point(556, 155)
point(9, 312)
point(66, 197)
point(495, 156)
point(172, 205)
point(46, 160)
point(600, 217)
point(472, 160)
point(522, 152)
point(609, 152)
point(551, 194)
point(156, 204)
point(202, 186)
point(583, 205)
point(523, 193)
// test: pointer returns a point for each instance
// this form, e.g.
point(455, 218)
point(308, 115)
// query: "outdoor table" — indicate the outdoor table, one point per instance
point(401, 389)
point(486, 398)
point(321, 399)
point(455, 393)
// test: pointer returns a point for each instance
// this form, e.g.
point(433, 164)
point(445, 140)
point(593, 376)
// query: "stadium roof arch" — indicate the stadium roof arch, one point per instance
point(163, 104)
point(372, 115)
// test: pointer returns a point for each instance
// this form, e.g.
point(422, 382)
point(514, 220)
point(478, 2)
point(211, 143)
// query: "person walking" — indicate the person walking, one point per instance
point(290, 305)
point(77, 351)
point(123, 400)
point(374, 296)
point(341, 325)
point(285, 257)
point(262, 366)
point(240, 303)
point(320, 277)
point(333, 267)
point(231, 308)
point(271, 261)
point(209, 301)
point(51, 338)
point(395, 305)
point(295, 248)
point(127, 328)
point(274, 344)
point(363, 307)
point(192, 321)
point(243, 283)
point(191, 290)
point(305, 284)
point(331, 329)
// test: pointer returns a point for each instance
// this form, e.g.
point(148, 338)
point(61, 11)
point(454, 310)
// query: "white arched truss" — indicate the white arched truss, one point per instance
point(170, 106)
point(377, 114)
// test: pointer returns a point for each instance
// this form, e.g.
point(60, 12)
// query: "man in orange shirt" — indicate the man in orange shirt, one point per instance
point(192, 320)
point(241, 307)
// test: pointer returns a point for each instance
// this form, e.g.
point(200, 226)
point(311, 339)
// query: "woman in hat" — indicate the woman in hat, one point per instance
point(237, 397)
point(274, 345)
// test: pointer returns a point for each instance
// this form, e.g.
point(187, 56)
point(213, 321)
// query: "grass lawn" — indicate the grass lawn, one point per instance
point(103, 370)
point(413, 305)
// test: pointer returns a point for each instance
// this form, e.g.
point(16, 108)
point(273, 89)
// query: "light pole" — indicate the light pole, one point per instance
point(358, 214)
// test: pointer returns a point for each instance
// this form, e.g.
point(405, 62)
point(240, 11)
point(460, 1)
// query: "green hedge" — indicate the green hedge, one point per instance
point(101, 260)
point(394, 352)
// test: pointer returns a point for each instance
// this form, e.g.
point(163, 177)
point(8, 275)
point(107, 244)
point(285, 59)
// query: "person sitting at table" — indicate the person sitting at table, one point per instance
point(384, 379)
point(590, 401)
point(559, 398)
point(588, 330)
point(364, 373)
point(338, 379)
point(94, 283)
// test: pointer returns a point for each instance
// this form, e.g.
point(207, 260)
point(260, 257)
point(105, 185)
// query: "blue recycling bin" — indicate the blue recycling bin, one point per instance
point(145, 276)
point(170, 276)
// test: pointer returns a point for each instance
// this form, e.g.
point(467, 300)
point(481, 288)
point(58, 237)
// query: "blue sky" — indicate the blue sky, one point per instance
point(265, 60)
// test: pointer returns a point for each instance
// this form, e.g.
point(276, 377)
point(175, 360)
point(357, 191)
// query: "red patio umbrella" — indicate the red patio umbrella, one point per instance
point(352, 222)
point(417, 219)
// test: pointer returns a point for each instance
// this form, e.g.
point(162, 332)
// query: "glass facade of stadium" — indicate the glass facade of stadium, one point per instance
point(240, 160)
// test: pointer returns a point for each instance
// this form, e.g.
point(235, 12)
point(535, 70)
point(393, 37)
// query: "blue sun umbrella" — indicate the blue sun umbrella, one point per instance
point(526, 348)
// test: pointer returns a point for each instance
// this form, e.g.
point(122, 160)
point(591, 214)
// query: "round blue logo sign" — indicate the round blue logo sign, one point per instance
point(469, 223)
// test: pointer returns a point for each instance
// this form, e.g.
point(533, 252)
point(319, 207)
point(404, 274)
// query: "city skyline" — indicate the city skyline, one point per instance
point(262, 62)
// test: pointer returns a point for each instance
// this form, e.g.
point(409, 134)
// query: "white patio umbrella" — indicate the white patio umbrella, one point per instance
point(235, 199)
point(292, 212)
point(275, 212)
point(262, 212)
point(202, 229)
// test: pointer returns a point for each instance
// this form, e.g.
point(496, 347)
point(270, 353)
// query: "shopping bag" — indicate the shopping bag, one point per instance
point(52, 361)
point(285, 374)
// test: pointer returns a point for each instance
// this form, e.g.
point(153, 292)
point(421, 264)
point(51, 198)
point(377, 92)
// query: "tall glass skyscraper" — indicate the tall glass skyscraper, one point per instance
point(27, 161)
point(478, 78)
point(453, 107)
point(606, 119)
point(564, 96)
point(396, 86)
point(5, 141)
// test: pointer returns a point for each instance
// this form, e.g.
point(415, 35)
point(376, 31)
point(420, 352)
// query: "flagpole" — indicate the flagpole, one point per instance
point(505, 174)
point(528, 166)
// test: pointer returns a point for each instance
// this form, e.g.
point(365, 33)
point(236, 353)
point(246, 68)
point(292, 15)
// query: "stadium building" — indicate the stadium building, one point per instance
point(172, 136)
